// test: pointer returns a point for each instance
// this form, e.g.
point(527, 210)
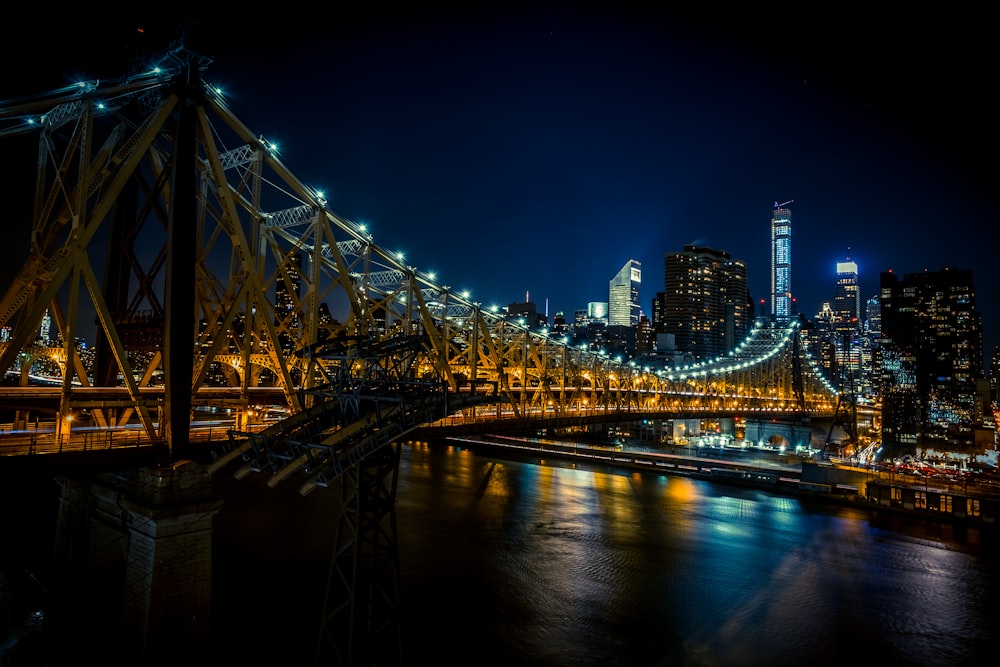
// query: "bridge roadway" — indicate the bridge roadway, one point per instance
point(47, 397)
point(40, 445)
point(97, 449)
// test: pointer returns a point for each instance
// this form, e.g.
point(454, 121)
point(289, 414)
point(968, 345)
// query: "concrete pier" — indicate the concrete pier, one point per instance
point(152, 528)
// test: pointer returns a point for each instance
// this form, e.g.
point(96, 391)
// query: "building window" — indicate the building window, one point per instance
point(946, 503)
point(973, 506)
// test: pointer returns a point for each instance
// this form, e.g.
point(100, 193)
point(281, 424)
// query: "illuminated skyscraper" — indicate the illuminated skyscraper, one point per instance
point(43, 332)
point(847, 301)
point(706, 303)
point(781, 262)
point(847, 323)
point(623, 296)
point(871, 333)
point(597, 311)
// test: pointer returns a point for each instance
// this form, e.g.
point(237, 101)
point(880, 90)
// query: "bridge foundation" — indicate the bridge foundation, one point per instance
point(148, 533)
point(790, 433)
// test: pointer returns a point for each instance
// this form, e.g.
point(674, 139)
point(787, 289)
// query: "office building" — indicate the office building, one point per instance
point(782, 305)
point(287, 309)
point(658, 319)
point(525, 313)
point(597, 311)
point(560, 326)
point(847, 300)
point(995, 374)
point(871, 333)
point(847, 325)
point(929, 363)
point(706, 305)
point(819, 337)
point(623, 296)
point(44, 333)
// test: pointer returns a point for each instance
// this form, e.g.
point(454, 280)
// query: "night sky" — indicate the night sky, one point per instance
point(534, 149)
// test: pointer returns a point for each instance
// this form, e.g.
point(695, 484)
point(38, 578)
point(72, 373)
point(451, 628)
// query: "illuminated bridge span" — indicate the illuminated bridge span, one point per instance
point(160, 216)
point(215, 277)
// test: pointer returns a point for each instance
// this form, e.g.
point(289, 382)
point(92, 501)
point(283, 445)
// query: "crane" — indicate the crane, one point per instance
point(782, 205)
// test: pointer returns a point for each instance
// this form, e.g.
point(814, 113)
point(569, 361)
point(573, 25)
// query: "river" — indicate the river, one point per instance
point(514, 563)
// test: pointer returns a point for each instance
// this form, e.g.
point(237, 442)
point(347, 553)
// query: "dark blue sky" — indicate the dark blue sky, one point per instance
point(516, 149)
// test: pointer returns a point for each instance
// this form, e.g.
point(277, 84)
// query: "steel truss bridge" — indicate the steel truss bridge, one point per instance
point(214, 276)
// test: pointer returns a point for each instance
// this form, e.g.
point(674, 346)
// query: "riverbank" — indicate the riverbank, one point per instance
point(766, 470)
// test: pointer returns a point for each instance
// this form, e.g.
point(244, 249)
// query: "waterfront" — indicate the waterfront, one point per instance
point(514, 563)
point(576, 567)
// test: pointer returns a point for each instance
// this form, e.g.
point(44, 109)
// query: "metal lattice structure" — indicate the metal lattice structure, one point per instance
point(159, 215)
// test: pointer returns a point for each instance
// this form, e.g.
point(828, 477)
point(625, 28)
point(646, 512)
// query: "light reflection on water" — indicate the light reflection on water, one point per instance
point(546, 565)
point(509, 563)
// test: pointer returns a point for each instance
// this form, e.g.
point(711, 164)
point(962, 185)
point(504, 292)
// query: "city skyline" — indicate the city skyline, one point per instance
point(515, 152)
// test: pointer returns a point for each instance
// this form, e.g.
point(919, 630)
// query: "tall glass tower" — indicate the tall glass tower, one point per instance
point(781, 262)
point(847, 300)
point(623, 295)
point(847, 322)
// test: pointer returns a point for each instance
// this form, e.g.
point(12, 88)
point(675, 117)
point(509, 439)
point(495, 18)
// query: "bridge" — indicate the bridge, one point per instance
point(205, 275)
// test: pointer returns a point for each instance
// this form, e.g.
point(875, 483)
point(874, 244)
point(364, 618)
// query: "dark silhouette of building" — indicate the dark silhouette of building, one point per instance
point(645, 338)
point(929, 362)
point(559, 324)
point(528, 312)
point(658, 317)
point(995, 374)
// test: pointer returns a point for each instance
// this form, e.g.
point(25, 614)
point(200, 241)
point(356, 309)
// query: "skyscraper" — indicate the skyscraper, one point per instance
point(43, 332)
point(930, 360)
point(847, 323)
point(847, 300)
point(706, 303)
point(287, 310)
point(597, 311)
point(871, 334)
point(623, 296)
point(781, 262)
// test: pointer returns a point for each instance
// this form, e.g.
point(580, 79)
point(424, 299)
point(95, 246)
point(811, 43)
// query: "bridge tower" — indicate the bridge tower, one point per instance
point(141, 245)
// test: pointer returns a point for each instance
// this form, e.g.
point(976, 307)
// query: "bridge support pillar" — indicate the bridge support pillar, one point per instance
point(72, 524)
point(167, 596)
point(20, 420)
point(149, 533)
